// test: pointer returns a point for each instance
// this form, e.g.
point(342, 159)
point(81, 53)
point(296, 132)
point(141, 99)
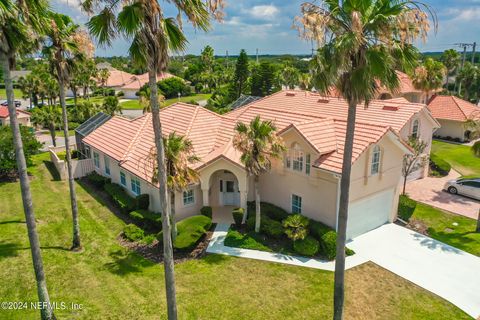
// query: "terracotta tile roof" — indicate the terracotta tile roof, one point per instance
point(140, 80)
point(4, 112)
point(119, 78)
point(319, 133)
point(452, 108)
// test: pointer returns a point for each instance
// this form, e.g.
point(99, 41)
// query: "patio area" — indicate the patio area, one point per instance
point(222, 214)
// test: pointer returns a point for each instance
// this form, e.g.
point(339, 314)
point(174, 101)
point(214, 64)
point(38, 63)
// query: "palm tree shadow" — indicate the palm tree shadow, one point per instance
point(11, 221)
point(8, 249)
point(125, 262)
point(53, 170)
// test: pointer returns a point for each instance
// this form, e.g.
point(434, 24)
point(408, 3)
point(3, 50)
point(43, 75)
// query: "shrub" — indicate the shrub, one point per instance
point(438, 165)
point(148, 239)
point(172, 86)
point(120, 94)
point(318, 229)
point(190, 230)
point(147, 218)
point(406, 207)
point(75, 154)
point(132, 232)
point(206, 211)
point(328, 244)
point(238, 215)
point(143, 201)
point(306, 247)
point(73, 125)
point(296, 226)
point(121, 199)
point(97, 180)
point(245, 241)
point(251, 222)
point(271, 210)
point(270, 227)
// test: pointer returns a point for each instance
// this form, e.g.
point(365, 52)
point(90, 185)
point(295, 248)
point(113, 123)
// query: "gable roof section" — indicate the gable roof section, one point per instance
point(140, 80)
point(4, 112)
point(452, 108)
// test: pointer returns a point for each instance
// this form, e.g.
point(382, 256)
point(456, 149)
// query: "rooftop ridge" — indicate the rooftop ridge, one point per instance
point(136, 137)
point(191, 121)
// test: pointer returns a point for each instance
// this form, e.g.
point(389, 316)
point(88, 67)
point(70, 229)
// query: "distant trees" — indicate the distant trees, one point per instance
point(469, 77)
point(171, 87)
point(263, 78)
point(451, 60)
point(429, 76)
point(241, 73)
point(111, 106)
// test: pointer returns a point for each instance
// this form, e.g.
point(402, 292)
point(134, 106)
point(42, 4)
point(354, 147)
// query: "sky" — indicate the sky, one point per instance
point(267, 26)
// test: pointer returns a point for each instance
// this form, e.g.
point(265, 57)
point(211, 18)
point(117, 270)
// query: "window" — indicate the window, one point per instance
point(230, 186)
point(123, 179)
point(296, 204)
point(415, 127)
point(297, 158)
point(307, 164)
point(135, 184)
point(107, 165)
point(375, 167)
point(188, 197)
point(287, 160)
point(96, 160)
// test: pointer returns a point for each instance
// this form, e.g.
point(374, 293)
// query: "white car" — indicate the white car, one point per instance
point(465, 187)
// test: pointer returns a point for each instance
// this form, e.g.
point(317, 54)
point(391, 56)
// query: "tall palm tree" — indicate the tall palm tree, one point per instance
point(20, 25)
point(48, 117)
point(451, 60)
point(153, 35)
point(179, 156)
point(62, 47)
point(467, 77)
point(259, 145)
point(429, 76)
point(103, 75)
point(360, 43)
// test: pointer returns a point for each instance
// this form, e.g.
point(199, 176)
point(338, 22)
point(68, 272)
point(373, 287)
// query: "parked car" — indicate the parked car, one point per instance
point(465, 187)
point(18, 104)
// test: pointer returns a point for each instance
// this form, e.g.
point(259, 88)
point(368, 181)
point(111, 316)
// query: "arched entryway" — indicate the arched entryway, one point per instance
point(224, 189)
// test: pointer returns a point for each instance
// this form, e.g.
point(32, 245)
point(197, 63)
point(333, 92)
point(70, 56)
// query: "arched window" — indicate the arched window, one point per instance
point(415, 126)
point(375, 166)
point(297, 157)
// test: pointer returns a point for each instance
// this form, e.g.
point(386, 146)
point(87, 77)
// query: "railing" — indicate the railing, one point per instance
point(80, 167)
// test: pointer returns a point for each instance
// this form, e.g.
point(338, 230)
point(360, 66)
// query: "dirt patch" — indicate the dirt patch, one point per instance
point(418, 226)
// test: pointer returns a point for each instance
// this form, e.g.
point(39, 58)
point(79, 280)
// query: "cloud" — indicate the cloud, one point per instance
point(264, 12)
point(464, 14)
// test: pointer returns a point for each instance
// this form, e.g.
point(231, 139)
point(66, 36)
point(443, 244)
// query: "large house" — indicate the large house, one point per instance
point(306, 180)
point(22, 116)
point(130, 89)
point(452, 113)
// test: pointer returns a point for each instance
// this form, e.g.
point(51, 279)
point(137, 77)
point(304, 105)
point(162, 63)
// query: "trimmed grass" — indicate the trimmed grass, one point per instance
point(460, 157)
point(135, 105)
point(112, 282)
point(131, 105)
point(441, 227)
point(17, 93)
point(60, 133)
point(98, 100)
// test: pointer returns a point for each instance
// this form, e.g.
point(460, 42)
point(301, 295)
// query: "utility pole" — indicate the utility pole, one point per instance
point(473, 52)
point(257, 55)
point(464, 46)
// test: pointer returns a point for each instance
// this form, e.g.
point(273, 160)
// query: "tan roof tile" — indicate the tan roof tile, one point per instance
point(452, 108)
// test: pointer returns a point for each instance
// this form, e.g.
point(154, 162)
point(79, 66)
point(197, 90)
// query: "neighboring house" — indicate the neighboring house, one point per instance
point(22, 116)
point(306, 180)
point(452, 113)
point(130, 89)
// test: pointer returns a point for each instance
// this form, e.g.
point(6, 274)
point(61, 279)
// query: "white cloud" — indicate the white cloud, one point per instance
point(464, 14)
point(264, 12)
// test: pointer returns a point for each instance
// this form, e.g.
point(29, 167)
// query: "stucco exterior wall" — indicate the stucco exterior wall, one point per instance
point(129, 94)
point(454, 129)
point(23, 119)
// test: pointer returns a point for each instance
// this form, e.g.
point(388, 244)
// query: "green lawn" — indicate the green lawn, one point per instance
point(98, 100)
point(112, 283)
point(60, 133)
point(441, 227)
point(16, 92)
point(460, 157)
point(135, 105)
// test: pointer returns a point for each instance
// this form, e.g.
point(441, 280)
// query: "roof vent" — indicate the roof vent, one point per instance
point(290, 94)
point(323, 100)
point(390, 108)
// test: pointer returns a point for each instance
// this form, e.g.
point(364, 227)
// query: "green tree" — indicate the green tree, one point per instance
point(290, 77)
point(259, 145)
point(152, 36)
point(305, 81)
point(21, 24)
point(360, 43)
point(468, 77)
point(451, 60)
point(111, 106)
point(262, 82)
point(48, 117)
point(428, 77)
point(241, 73)
point(414, 161)
point(102, 76)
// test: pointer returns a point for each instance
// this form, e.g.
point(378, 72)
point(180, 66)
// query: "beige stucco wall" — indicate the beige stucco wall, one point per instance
point(23, 119)
point(454, 129)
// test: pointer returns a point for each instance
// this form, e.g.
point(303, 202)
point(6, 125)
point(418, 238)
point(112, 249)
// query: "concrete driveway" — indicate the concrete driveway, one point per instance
point(446, 271)
point(430, 191)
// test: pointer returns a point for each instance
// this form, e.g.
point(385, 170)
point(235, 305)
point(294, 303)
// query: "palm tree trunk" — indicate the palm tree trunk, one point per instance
point(404, 184)
point(257, 204)
point(76, 245)
point(43, 297)
point(53, 134)
point(174, 222)
point(339, 291)
point(162, 179)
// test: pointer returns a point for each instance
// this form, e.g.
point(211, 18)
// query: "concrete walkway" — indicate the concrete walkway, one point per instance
point(443, 270)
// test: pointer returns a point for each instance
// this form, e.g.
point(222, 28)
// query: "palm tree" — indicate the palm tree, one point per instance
point(473, 126)
point(62, 48)
point(103, 76)
point(360, 43)
point(290, 77)
point(48, 117)
point(153, 35)
point(20, 25)
point(179, 156)
point(259, 145)
point(451, 60)
point(467, 77)
point(429, 76)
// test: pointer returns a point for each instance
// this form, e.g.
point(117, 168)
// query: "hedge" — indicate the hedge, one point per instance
point(237, 214)
point(244, 241)
point(143, 201)
point(307, 247)
point(271, 228)
point(123, 201)
point(97, 180)
point(206, 211)
point(146, 218)
point(406, 207)
point(189, 231)
point(328, 244)
point(271, 210)
point(438, 166)
point(133, 233)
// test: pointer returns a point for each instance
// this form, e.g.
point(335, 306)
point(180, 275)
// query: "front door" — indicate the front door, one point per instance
point(230, 195)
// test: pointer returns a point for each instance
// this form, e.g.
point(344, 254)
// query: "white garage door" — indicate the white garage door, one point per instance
point(367, 214)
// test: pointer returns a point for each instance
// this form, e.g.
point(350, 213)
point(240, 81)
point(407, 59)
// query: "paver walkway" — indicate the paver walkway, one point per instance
point(430, 191)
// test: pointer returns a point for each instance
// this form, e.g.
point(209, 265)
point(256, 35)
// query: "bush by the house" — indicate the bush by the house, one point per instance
point(97, 180)
point(123, 201)
point(306, 247)
point(244, 241)
point(143, 201)
point(147, 218)
point(238, 215)
point(120, 94)
point(271, 210)
point(406, 207)
point(296, 226)
point(328, 244)
point(189, 231)
point(318, 229)
point(270, 227)
point(133, 233)
point(438, 166)
point(206, 211)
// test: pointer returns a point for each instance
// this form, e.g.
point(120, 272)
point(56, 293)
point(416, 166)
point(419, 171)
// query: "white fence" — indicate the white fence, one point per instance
point(80, 167)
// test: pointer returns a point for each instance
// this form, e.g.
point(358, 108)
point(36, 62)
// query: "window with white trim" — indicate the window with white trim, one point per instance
point(297, 158)
point(123, 179)
point(107, 165)
point(375, 165)
point(188, 197)
point(296, 204)
point(135, 186)
point(96, 160)
point(415, 127)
